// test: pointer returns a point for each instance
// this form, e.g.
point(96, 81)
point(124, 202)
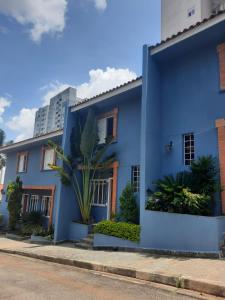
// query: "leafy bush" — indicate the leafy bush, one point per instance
point(189, 192)
point(204, 172)
point(14, 195)
point(29, 229)
point(33, 217)
point(128, 206)
point(183, 202)
point(122, 230)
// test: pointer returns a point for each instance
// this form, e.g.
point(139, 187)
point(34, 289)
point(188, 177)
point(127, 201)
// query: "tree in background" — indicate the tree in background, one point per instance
point(128, 207)
point(14, 195)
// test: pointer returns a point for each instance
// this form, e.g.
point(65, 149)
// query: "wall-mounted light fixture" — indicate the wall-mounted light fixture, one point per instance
point(169, 147)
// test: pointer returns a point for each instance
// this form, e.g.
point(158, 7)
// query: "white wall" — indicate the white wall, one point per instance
point(175, 15)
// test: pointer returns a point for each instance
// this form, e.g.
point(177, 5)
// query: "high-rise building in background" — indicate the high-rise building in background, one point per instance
point(51, 117)
point(176, 15)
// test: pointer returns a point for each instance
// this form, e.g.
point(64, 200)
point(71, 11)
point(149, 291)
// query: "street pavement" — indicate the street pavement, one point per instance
point(24, 278)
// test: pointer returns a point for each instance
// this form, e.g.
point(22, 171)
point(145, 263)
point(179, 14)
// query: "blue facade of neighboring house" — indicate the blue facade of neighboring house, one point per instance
point(179, 99)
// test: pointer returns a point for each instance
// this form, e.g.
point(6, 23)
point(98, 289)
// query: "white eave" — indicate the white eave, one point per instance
point(32, 140)
point(187, 34)
point(108, 95)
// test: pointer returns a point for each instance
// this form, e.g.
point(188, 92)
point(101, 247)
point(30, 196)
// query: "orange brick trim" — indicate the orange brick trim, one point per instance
point(221, 56)
point(220, 125)
point(115, 166)
point(52, 188)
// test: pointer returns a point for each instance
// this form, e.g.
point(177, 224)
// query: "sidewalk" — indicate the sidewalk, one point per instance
point(202, 275)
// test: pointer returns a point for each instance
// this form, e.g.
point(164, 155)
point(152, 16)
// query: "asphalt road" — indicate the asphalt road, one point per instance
point(25, 278)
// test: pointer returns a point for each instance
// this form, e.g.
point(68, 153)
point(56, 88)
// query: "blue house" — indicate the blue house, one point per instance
point(160, 123)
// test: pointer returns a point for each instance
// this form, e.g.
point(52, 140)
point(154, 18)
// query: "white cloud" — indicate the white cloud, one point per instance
point(42, 16)
point(99, 81)
point(23, 123)
point(4, 103)
point(101, 4)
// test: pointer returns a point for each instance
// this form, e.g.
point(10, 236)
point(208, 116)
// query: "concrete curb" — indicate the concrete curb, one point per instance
point(206, 287)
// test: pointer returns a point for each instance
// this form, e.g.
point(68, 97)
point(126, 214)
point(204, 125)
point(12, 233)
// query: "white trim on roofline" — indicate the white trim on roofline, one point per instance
point(107, 95)
point(188, 34)
point(31, 140)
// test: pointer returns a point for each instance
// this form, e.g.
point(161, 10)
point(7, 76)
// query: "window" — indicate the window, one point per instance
point(48, 158)
point(107, 126)
point(135, 178)
point(33, 203)
point(22, 160)
point(45, 205)
point(189, 148)
point(36, 203)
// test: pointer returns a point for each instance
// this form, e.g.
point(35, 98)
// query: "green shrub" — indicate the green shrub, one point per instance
point(29, 229)
point(14, 196)
point(33, 217)
point(128, 206)
point(183, 202)
point(204, 172)
point(121, 230)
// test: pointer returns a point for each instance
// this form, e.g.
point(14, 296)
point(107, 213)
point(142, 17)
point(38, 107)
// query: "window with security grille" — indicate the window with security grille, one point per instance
point(135, 178)
point(189, 148)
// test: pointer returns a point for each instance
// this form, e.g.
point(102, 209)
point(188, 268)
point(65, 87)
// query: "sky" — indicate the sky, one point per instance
point(48, 45)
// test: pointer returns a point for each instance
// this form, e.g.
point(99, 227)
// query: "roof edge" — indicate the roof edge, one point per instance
point(31, 140)
point(110, 93)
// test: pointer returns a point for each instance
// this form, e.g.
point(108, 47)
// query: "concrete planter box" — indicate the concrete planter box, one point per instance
point(179, 232)
point(107, 241)
point(16, 237)
point(78, 231)
point(39, 239)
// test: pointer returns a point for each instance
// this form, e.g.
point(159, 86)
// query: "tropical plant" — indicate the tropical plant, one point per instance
point(14, 196)
point(88, 157)
point(204, 172)
point(128, 205)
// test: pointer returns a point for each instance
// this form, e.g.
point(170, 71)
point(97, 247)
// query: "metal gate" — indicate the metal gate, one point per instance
point(102, 194)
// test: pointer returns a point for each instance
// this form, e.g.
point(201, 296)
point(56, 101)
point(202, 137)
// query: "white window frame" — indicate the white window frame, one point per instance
point(34, 202)
point(188, 149)
point(46, 205)
point(100, 187)
point(45, 164)
point(135, 178)
point(22, 164)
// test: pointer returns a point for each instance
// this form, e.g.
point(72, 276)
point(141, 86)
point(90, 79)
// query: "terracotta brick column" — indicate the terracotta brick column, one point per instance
point(220, 125)
point(221, 56)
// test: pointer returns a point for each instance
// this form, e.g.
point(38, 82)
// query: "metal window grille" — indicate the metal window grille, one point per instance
point(45, 205)
point(101, 189)
point(189, 148)
point(33, 203)
point(135, 178)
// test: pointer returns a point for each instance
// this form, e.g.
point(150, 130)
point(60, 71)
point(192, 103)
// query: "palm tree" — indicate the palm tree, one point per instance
point(87, 158)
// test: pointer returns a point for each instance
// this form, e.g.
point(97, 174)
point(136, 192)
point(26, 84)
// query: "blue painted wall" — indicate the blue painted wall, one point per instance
point(34, 176)
point(127, 146)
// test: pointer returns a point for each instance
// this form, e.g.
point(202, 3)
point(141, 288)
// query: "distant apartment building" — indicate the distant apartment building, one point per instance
point(180, 14)
point(51, 117)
